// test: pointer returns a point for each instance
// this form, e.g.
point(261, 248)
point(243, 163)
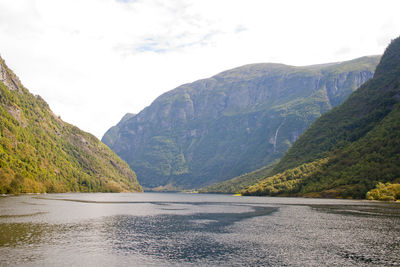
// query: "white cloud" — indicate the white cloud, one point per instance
point(95, 60)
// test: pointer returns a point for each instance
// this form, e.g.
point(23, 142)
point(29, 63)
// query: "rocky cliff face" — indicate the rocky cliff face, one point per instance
point(237, 121)
point(8, 78)
point(350, 149)
point(41, 153)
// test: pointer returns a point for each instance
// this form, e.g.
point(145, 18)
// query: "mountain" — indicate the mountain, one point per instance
point(232, 123)
point(352, 148)
point(41, 153)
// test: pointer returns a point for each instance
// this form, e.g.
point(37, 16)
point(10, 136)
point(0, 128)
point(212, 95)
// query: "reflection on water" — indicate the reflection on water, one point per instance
point(179, 238)
point(185, 229)
point(18, 234)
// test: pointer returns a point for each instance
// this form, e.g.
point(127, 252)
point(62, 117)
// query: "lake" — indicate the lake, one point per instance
point(173, 229)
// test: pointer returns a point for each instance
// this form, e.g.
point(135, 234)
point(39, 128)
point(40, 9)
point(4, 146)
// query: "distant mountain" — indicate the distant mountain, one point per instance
point(41, 153)
point(232, 123)
point(350, 149)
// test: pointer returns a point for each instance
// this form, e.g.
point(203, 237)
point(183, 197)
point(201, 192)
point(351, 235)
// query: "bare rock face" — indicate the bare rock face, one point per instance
point(8, 77)
point(237, 121)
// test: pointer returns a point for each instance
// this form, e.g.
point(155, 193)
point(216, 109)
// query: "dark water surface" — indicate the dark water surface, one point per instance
point(196, 229)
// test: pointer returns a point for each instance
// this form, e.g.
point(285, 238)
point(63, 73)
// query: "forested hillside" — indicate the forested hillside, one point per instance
point(41, 153)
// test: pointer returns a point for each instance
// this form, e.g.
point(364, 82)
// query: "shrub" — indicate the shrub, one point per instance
point(387, 192)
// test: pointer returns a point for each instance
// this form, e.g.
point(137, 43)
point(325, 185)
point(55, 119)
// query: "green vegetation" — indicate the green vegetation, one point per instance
point(287, 183)
point(233, 123)
point(236, 184)
point(388, 192)
point(359, 140)
point(41, 153)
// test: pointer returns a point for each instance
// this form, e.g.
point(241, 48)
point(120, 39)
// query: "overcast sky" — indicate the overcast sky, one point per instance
point(95, 60)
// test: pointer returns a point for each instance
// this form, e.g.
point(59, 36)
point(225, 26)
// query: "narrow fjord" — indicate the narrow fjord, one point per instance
point(199, 133)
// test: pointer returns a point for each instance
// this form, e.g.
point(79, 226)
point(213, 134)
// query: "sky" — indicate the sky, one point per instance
point(95, 60)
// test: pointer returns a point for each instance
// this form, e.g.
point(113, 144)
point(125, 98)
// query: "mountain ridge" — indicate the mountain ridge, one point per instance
point(234, 122)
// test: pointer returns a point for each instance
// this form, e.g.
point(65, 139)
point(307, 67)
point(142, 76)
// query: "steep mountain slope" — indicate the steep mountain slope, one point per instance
point(236, 184)
point(41, 153)
point(235, 122)
point(352, 147)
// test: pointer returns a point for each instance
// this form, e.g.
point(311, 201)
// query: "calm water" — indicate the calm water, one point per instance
point(196, 229)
